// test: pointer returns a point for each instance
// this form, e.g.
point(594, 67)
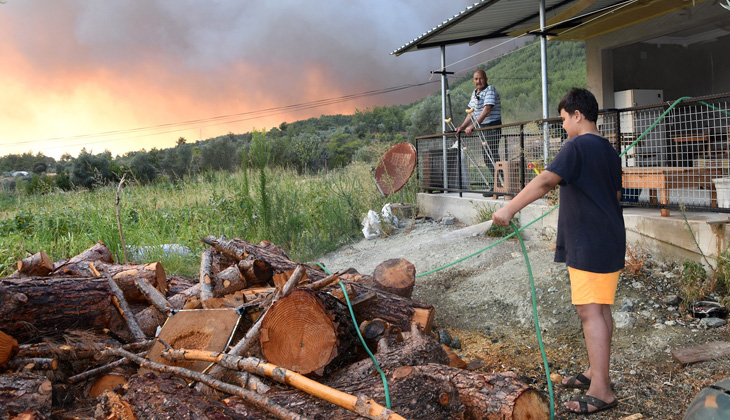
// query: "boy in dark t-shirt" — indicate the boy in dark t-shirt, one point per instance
point(591, 237)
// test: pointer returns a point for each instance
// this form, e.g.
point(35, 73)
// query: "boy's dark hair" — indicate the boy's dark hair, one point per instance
point(580, 100)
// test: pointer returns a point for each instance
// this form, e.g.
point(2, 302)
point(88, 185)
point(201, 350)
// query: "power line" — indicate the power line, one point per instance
point(222, 119)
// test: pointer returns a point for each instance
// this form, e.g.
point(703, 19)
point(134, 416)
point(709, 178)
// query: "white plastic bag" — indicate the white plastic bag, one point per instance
point(371, 225)
point(388, 216)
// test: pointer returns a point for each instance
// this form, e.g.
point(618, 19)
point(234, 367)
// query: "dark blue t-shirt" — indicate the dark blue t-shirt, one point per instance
point(591, 233)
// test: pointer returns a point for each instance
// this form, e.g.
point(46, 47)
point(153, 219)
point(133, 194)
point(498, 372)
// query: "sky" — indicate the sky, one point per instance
point(125, 75)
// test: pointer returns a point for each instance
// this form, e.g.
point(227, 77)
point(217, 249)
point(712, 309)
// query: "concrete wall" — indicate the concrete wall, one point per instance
point(670, 239)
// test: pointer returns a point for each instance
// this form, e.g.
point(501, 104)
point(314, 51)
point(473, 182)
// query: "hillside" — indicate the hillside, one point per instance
point(327, 142)
point(516, 77)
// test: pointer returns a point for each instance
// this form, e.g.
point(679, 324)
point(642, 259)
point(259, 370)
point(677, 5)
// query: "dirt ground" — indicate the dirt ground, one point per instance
point(485, 300)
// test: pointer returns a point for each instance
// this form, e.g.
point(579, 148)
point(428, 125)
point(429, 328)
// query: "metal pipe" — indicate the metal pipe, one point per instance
point(543, 63)
point(443, 110)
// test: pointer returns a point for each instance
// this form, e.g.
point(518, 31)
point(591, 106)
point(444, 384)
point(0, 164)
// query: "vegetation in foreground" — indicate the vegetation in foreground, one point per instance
point(307, 216)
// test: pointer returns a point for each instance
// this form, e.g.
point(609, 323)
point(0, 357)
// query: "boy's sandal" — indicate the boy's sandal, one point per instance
point(578, 381)
point(584, 400)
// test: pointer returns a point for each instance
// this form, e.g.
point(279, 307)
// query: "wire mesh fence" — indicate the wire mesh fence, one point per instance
point(673, 155)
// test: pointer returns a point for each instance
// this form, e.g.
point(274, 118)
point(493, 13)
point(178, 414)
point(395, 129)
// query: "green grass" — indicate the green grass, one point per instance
point(309, 216)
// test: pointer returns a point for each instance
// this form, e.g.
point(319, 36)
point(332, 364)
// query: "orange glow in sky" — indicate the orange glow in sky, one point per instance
point(71, 71)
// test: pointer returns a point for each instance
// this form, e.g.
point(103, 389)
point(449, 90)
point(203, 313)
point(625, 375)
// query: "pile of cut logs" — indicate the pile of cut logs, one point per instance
point(257, 337)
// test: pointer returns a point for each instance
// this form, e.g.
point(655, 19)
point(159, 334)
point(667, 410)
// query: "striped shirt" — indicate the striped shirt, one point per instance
point(488, 96)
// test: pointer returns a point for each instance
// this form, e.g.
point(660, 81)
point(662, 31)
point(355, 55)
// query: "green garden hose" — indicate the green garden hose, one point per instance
point(537, 323)
point(362, 340)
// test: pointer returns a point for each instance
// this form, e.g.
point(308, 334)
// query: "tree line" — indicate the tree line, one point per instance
point(315, 144)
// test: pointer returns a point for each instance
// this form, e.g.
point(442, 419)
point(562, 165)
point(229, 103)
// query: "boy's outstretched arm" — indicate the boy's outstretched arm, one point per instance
point(538, 187)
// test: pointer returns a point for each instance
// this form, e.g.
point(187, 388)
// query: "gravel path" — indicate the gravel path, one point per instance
point(486, 301)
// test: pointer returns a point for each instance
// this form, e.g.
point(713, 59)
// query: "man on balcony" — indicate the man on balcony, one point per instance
point(487, 112)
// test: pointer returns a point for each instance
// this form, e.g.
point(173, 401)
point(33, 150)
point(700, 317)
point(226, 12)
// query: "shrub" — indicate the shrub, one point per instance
point(485, 212)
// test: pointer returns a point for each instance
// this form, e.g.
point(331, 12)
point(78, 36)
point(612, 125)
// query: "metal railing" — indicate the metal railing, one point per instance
point(673, 154)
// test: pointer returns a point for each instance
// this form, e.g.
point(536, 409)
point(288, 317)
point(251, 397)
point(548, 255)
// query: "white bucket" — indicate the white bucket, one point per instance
point(722, 187)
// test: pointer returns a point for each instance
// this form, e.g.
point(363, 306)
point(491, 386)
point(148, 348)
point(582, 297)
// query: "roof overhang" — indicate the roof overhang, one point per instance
point(567, 20)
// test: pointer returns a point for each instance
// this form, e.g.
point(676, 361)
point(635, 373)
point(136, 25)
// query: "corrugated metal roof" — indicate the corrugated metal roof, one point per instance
point(501, 18)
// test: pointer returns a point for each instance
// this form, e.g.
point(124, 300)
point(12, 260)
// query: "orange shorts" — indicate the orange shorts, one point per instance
point(587, 287)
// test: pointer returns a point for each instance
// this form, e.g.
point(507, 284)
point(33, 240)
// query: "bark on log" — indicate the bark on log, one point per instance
point(269, 246)
point(151, 396)
point(228, 281)
point(257, 272)
point(206, 276)
point(38, 264)
point(8, 348)
point(416, 349)
point(43, 306)
point(435, 391)
point(73, 349)
point(125, 276)
point(370, 409)
point(308, 332)
point(415, 393)
point(495, 396)
point(397, 276)
point(153, 296)
point(240, 249)
point(123, 307)
point(33, 363)
point(257, 400)
point(150, 318)
point(97, 252)
point(394, 309)
point(103, 369)
point(24, 391)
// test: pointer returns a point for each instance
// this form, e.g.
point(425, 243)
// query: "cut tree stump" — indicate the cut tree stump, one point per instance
point(307, 332)
point(38, 264)
point(24, 391)
point(397, 276)
point(47, 306)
